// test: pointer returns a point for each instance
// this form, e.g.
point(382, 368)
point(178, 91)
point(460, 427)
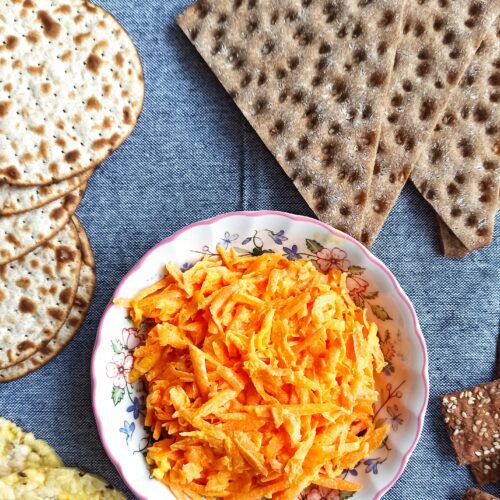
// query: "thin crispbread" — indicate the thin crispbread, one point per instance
point(20, 450)
point(72, 89)
point(311, 78)
point(19, 199)
point(51, 483)
point(452, 246)
point(36, 295)
point(26, 231)
point(459, 172)
point(439, 40)
point(75, 319)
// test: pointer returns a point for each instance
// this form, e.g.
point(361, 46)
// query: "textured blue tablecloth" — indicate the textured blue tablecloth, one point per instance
point(193, 156)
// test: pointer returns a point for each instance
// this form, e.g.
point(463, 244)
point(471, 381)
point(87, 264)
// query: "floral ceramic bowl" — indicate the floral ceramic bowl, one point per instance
point(119, 406)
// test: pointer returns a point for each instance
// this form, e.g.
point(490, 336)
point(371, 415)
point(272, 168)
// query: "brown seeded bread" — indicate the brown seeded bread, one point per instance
point(72, 89)
point(439, 40)
point(311, 78)
point(37, 292)
point(50, 349)
point(459, 172)
point(28, 230)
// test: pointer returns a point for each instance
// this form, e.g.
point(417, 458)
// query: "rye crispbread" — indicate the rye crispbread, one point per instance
point(25, 231)
point(439, 40)
point(18, 199)
point(75, 319)
point(311, 78)
point(459, 172)
point(72, 89)
point(36, 295)
point(451, 245)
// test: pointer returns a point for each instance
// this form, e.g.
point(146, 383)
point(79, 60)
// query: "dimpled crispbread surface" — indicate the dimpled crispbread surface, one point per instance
point(440, 38)
point(311, 79)
point(459, 170)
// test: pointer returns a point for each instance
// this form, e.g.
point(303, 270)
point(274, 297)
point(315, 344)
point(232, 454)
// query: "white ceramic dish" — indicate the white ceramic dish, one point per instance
point(118, 406)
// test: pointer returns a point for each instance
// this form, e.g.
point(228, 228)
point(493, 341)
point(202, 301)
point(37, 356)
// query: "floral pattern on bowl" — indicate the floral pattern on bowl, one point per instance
point(403, 385)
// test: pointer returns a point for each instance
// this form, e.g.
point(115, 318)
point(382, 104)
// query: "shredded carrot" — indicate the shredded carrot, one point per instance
point(260, 377)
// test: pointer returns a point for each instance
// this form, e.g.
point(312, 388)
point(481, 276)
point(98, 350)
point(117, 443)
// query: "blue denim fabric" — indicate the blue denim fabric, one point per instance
point(193, 156)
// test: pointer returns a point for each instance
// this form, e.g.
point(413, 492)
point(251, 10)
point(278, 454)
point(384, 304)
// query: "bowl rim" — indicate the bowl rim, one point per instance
point(260, 213)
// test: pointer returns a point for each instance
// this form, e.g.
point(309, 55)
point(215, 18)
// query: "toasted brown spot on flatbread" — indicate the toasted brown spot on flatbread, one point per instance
point(57, 213)
point(94, 63)
point(61, 142)
point(93, 103)
point(127, 115)
point(66, 56)
point(11, 42)
point(33, 37)
point(5, 107)
point(64, 9)
point(69, 200)
point(73, 322)
point(53, 168)
point(89, 7)
point(99, 47)
point(25, 345)
point(10, 172)
point(36, 70)
point(65, 295)
point(51, 28)
point(23, 283)
point(27, 306)
point(44, 150)
point(55, 313)
point(80, 38)
point(12, 239)
point(72, 156)
point(8, 87)
point(64, 254)
point(106, 89)
point(26, 158)
point(47, 270)
point(107, 122)
point(119, 60)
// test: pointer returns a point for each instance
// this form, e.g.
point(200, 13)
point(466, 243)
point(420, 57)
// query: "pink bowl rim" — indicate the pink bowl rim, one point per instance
point(300, 218)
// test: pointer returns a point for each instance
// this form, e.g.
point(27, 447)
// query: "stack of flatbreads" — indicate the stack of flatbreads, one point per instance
point(31, 469)
point(71, 91)
point(354, 97)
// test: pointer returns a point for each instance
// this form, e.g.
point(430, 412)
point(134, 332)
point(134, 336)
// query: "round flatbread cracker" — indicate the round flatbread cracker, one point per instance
point(81, 304)
point(20, 450)
point(72, 89)
point(36, 295)
point(63, 482)
point(28, 230)
point(19, 199)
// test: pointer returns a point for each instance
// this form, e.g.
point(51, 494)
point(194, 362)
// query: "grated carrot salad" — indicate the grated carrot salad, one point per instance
point(260, 376)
